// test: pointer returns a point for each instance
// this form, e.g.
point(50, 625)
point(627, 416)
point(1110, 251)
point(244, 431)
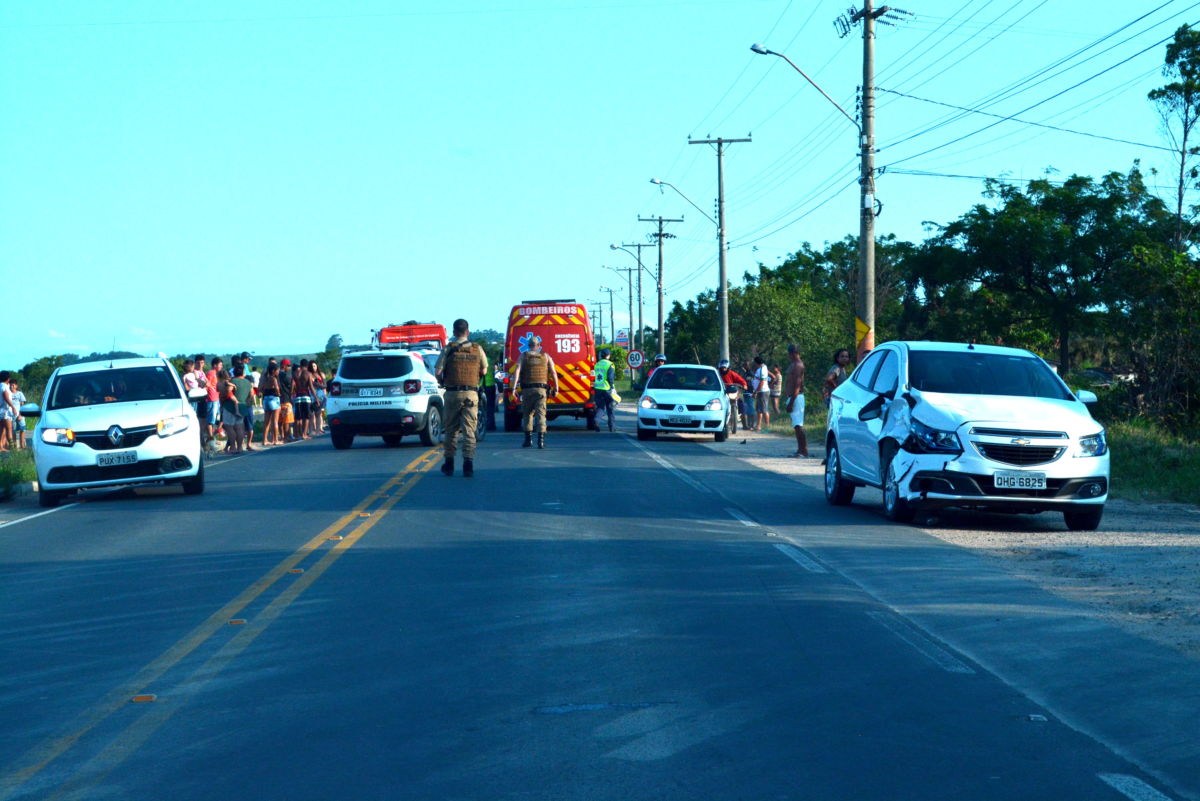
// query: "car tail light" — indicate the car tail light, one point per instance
point(335, 388)
point(412, 387)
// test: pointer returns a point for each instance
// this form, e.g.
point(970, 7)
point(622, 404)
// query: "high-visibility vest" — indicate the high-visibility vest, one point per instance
point(600, 375)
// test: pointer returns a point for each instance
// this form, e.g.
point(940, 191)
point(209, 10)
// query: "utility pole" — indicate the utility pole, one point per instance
point(722, 280)
point(868, 206)
point(599, 318)
point(612, 323)
point(641, 337)
point(660, 236)
point(629, 285)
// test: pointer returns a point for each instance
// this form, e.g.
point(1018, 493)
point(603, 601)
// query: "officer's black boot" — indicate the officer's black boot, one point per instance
point(528, 439)
point(448, 467)
point(468, 468)
point(541, 440)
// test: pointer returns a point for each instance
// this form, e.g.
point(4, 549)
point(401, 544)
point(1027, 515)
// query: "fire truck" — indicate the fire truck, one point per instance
point(566, 334)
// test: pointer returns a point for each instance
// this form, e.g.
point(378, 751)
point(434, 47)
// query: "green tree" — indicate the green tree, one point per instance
point(1049, 250)
point(1178, 105)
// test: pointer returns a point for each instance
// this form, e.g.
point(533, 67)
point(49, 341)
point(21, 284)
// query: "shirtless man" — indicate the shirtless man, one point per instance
point(793, 389)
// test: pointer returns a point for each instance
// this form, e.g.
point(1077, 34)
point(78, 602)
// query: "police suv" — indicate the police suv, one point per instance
point(388, 390)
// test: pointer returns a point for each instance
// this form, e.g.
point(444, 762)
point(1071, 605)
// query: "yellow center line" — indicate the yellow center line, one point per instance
point(135, 735)
point(43, 754)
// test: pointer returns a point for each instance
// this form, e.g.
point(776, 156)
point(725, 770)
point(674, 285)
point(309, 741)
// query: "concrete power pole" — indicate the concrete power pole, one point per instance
point(868, 203)
point(612, 323)
point(641, 337)
point(660, 236)
point(722, 279)
point(629, 285)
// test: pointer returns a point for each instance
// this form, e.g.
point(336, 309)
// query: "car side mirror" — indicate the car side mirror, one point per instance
point(197, 394)
point(31, 410)
point(1086, 396)
point(873, 410)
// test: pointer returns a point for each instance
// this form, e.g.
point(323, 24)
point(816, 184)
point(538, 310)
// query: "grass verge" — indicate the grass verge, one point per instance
point(1150, 464)
point(15, 467)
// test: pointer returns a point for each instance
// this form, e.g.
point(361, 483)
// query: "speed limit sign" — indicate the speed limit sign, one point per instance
point(635, 358)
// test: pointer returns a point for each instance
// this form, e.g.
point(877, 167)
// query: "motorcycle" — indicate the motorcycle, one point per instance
point(734, 393)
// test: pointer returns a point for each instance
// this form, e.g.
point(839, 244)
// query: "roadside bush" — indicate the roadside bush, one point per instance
point(15, 468)
point(1150, 463)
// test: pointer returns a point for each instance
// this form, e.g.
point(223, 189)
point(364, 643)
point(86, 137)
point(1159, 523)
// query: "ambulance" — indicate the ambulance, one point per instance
point(566, 334)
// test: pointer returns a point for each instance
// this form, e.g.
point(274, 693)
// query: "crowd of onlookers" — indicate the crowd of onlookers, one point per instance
point(12, 424)
point(764, 388)
point(288, 399)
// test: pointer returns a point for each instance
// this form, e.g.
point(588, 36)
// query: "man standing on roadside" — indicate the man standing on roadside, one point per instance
point(214, 398)
point(535, 380)
point(793, 388)
point(243, 393)
point(459, 369)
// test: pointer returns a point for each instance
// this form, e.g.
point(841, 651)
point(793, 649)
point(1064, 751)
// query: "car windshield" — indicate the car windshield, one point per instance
point(983, 374)
point(699, 378)
point(359, 368)
point(122, 385)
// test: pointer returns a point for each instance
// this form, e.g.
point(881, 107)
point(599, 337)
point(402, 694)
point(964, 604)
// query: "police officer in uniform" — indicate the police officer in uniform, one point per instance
point(535, 379)
point(602, 385)
point(459, 369)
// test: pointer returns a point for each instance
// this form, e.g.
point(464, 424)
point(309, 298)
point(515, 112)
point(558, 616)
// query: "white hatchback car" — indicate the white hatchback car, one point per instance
point(937, 424)
point(125, 421)
point(686, 399)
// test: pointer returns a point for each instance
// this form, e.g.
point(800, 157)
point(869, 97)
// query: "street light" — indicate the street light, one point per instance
point(641, 338)
point(624, 273)
point(660, 184)
point(866, 211)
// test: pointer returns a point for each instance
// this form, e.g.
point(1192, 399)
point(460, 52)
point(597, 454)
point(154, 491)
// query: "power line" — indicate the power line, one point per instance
point(1027, 83)
point(1013, 118)
point(1074, 86)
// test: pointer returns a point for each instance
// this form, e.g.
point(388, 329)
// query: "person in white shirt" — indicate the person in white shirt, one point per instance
point(761, 384)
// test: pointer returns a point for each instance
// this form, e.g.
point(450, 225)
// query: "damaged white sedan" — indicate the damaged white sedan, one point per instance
point(937, 424)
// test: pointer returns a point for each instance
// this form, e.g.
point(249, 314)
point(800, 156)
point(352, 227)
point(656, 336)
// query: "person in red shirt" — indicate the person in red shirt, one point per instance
point(214, 398)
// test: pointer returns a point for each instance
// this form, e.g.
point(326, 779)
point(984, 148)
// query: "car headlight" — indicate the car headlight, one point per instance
point(648, 402)
point(172, 425)
point(713, 405)
point(1095, 445)
point(58, 436)
point(926, 439)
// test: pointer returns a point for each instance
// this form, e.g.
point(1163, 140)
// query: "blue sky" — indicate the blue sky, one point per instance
point(192, 176)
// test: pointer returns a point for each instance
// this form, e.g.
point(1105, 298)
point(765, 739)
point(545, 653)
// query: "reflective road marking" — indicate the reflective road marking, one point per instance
point(38, 758)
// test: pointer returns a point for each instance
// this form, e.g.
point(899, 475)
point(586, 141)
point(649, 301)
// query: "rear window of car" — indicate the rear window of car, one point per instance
point(685, 378)
point(983, 374)
point(369, 368)
point(119, 385)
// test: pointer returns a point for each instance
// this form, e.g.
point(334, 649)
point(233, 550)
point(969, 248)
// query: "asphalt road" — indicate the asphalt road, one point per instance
point(605, 619)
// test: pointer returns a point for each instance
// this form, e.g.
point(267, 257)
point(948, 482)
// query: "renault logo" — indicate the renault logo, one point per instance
point(679, 408)
point(1022, 441)
point(116, 435)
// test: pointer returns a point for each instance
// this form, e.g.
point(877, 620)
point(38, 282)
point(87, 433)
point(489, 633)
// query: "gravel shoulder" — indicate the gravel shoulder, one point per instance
point(1141, 570)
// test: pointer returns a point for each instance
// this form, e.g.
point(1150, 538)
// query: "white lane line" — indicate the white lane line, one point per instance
point(741, 518)
point(933, 653)
point(37, 514)
point(801, 558)
point(1132, 787)
point(675, 471)
point(227, 460)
